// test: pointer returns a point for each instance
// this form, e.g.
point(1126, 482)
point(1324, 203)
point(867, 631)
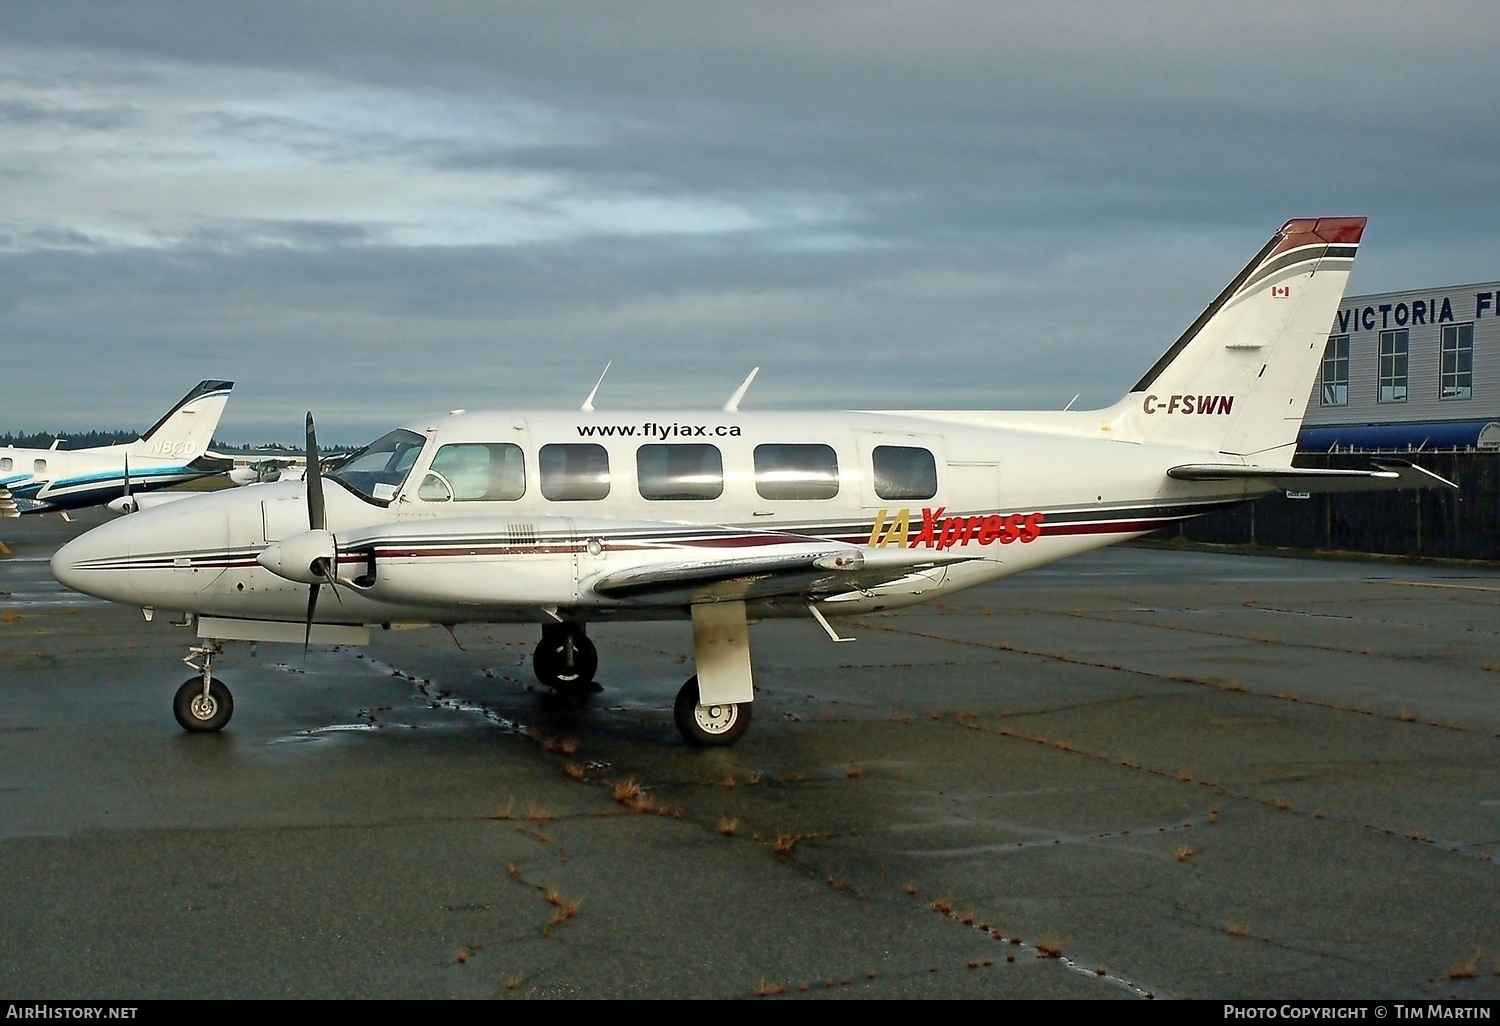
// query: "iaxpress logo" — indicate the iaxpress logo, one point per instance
point(939, 531)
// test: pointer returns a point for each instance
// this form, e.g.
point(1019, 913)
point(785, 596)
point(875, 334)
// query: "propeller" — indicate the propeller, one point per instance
point(317, 520)
point(126, 504)
point(309, 558)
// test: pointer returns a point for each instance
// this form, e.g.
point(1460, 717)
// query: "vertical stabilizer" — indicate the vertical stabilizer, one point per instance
point(188, 428)
point(1237, 381)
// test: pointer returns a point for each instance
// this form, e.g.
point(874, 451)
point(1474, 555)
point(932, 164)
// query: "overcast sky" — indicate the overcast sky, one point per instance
point(378, 210)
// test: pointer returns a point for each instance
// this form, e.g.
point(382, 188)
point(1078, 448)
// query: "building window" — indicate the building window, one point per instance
point(796, 472)
point(574, 473)
point(1457, 378)
point(1336, 371)
point(904, 472)
point(475, 472)
point(1394, 347)
point(688, 471)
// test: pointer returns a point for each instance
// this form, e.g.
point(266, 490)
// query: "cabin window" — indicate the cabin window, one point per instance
point(574, 472)
point(904, 472)
point(379, 470)
point(796, 471)
point(671, 472)
point(5, 463)
point(1336, 371)
point(39, 466)
point(475, 472)
point(1457, 379)
point(1394, 347)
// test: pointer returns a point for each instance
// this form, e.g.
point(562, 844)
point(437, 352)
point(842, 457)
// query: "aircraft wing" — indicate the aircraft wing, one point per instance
point(812, 573)
point(480, 562)
point(12, 505)
point(1387, 475)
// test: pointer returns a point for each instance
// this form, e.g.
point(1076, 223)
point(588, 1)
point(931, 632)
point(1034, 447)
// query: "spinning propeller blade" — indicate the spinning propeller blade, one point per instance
point(125, 505)
point(316, 521)
point(312, 607)
point(315, 516)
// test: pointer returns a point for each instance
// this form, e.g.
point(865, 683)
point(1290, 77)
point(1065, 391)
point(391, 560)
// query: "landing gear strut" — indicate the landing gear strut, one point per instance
point(203, 703)
point(566, 660)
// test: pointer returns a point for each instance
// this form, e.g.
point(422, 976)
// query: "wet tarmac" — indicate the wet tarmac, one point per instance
point(1142, 772)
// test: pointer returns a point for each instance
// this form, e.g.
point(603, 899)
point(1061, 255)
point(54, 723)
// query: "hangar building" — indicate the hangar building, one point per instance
point(1409, 371)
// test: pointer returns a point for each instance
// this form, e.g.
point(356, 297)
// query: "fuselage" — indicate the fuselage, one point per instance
point(492, 516)
point(45, 480)
point(171, 451)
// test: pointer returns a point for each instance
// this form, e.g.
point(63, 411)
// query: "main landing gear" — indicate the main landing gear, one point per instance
point(203, 703)
point(566, 660)
point(712, 713)
point(709, 726)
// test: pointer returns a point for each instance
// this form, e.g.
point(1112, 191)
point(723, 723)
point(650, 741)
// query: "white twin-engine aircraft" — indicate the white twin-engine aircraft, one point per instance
point(174, 450)
point(725, 518)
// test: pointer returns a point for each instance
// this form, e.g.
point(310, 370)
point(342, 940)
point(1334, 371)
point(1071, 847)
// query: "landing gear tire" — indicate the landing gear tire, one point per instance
point(709, 726)
point(198, 712)
point(566, 661)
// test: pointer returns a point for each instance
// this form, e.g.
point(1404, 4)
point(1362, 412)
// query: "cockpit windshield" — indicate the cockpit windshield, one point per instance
point(378, 471)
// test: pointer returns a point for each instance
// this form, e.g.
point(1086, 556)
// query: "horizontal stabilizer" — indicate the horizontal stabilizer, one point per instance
point(1387, 475)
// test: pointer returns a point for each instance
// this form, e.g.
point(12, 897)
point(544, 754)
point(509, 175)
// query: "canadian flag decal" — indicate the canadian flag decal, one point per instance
point(1281, 292)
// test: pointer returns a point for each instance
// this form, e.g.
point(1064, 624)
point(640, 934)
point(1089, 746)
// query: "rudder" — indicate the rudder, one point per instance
point(188, 428)
point(1238, 380)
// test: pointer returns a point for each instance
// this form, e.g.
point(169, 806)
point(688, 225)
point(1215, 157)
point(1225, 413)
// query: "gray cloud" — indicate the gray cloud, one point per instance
point(380, 209)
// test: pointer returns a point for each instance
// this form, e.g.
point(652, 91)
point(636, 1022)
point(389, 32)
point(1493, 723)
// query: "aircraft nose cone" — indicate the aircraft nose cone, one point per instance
point(63, 563)
point(83, 564)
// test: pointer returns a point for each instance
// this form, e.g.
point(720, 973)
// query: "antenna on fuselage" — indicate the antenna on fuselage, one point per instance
point(1071, 402)
point(588, 404)
point(739, 393)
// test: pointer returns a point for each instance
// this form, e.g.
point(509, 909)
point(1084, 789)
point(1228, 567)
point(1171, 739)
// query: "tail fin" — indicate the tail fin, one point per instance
point(188, 428)
point(1238, 380)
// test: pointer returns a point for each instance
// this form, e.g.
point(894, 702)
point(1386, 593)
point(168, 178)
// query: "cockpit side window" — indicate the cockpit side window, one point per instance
point(378, 471)
point(475, 472)
point(574, 472)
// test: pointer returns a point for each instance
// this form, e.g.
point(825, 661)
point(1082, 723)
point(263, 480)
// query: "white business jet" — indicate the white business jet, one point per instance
point(174, 450)
point(724, 518)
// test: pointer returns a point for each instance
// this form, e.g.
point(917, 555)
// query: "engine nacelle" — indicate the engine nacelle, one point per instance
point(297, 558)
point(476, 562)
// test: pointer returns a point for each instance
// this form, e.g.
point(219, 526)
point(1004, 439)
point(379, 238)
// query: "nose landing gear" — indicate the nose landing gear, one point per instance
point(203, 703)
